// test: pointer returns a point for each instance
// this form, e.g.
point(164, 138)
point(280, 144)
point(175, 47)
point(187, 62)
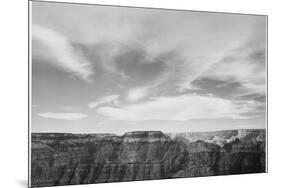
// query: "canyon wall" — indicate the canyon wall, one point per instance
point(64, 159)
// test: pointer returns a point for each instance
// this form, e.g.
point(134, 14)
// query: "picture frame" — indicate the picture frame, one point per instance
point(130, 93)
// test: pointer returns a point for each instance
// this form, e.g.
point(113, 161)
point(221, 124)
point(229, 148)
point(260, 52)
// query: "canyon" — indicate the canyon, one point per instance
point(68, 159)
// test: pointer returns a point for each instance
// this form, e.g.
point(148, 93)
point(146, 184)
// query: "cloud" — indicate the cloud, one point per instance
point(137, 94)
point(200, 39)
point(70, 108)
point(63, 116)
point(184, 107)
point(60, 48)
point(111, 99)
point(244, 66)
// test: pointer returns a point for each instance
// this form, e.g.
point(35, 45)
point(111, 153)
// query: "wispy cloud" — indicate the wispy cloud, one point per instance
point(63, 116)
point(70, 108)
point(245, 66)
point(137, 94)
point(66, 56)
point(184, 107)
point(111, 99)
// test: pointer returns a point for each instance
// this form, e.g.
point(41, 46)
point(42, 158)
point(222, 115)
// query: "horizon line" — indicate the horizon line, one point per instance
point(148, 131)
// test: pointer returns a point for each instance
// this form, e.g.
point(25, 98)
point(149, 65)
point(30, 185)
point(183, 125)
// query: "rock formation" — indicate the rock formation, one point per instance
point(62, 159)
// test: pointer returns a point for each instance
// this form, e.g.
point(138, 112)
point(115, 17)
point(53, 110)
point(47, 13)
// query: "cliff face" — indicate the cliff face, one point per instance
point(60, 159)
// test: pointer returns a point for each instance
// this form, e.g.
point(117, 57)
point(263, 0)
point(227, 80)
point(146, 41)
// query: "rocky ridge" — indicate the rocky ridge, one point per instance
point(62, 159)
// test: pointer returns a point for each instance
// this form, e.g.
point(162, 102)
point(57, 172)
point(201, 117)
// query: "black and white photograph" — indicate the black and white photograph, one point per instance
point(122, 94)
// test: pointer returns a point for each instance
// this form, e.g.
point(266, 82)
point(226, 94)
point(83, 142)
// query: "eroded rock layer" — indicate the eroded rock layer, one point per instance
point(61, 159)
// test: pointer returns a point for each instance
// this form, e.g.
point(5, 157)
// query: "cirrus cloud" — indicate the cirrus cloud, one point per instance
point(137, 94)
point(66, 56)
point(181, 108)
point(63, 116)
point(110, 99)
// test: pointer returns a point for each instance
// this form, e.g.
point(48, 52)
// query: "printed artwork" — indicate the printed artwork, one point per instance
point(124, 94)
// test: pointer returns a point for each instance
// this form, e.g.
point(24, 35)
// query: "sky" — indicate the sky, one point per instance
point(104, 69)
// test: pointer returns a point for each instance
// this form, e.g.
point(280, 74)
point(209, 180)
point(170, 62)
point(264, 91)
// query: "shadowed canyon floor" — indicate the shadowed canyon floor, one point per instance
point(65, 159)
